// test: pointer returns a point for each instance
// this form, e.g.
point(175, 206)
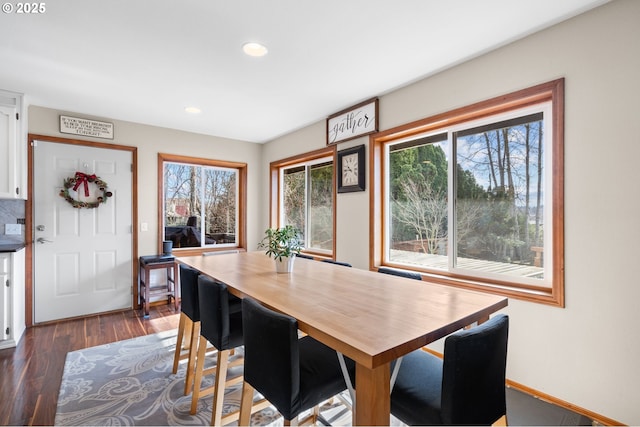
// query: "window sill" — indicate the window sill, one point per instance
point(180, 252)
point(540, 295)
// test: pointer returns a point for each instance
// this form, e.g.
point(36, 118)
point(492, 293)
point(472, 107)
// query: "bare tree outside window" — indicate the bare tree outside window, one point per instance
point(496, 216)
point(474, 197)
point(506, 158)
point(200, 205)
point(424, 211)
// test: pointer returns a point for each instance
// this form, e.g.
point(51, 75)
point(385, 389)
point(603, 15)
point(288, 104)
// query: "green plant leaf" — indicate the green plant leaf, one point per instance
point(281, 242)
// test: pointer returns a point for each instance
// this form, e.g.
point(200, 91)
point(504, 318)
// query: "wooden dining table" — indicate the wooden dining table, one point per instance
point(369, 317)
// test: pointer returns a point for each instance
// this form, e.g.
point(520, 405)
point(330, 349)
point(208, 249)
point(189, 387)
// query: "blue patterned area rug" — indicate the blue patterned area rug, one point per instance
point(130, 383)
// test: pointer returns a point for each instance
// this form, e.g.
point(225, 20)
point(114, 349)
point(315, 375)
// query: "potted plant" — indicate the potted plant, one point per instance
point(282, 244)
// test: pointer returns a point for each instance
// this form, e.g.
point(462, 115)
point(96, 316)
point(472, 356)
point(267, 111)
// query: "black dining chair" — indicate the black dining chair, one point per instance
point(330, 261)
point(400, 273)
point(221, 325)
point(466, 387)
point(189, 324)
point(294, 374)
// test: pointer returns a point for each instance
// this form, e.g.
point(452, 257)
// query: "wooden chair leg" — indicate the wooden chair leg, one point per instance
point(183, 350)
point(219, 387)
point(178, 352)
point(502, 421)
point(191, 363)
point(311, 418)
point(220, 384)
point(188, 329)
point(245, 404)
point(197, 384)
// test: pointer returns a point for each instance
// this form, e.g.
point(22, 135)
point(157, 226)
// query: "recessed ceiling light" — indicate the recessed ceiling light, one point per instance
point(254, 49)
point(192, 110)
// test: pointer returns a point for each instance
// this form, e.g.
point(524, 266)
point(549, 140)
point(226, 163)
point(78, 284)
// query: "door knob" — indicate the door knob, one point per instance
point(43, 240)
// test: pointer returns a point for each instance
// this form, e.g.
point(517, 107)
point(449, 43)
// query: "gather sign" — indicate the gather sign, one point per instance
point(359, 120)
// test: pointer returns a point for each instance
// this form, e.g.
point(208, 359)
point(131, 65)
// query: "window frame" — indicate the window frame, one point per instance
point(552, 92)
point(275, 187)
point(241, 200)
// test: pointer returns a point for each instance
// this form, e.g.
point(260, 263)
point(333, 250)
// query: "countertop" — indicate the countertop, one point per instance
point(11, 247)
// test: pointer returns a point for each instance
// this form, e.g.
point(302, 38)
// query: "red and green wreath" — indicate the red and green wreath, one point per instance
point(87, 201)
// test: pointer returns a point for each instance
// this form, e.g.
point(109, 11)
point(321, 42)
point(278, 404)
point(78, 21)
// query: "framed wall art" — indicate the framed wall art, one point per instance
point(356, 121)
point(86, 127)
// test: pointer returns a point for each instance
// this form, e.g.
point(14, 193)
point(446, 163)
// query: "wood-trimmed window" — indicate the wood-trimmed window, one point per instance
point(303, 195)
point(201, 204)
point(474, 197)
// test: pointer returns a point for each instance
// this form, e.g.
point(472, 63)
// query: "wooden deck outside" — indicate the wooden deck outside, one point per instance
point(441, 262)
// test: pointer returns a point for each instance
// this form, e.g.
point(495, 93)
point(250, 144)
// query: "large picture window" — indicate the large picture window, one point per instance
point(304, 186)
point(201, 202)
point(474, 197)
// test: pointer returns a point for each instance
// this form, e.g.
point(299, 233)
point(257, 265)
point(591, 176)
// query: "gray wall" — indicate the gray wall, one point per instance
point(587, 353)
point(10, 212)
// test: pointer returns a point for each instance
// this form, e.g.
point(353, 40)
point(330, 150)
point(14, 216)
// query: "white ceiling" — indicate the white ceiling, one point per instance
point(146, 60)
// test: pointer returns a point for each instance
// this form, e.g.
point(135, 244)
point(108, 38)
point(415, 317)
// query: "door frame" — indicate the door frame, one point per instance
point(29, 214)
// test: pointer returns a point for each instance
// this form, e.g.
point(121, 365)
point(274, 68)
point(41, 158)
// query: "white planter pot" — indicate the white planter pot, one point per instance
point(285, 265)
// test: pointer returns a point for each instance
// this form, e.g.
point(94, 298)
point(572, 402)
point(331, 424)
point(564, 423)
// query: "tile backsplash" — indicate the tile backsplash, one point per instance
point(10, 212)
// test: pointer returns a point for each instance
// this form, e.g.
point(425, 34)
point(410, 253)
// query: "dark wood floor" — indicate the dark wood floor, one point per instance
point(30, 374)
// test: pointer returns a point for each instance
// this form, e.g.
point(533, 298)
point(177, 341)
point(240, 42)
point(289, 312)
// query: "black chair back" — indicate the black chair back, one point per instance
point(271, 351)
point(330, 261)
point(219, 325)
point(189, 292)
point(401, 273)
point(473, 377)
point(293, 374)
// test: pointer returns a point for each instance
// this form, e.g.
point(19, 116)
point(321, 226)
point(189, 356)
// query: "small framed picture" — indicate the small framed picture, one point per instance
point(351, 169)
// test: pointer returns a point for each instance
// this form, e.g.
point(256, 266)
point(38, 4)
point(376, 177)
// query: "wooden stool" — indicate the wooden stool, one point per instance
point(147, 290)
point(189, 326)
point(220, 325)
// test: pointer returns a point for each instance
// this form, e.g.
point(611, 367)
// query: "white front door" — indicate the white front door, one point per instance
point(81, 256)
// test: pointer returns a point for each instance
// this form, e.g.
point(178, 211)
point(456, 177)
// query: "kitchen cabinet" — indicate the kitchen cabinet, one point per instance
point(12, 298)
point(13, 146)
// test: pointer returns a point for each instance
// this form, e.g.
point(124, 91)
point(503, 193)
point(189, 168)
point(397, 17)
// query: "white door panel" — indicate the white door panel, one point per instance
point(82, 257)
point(5, 296)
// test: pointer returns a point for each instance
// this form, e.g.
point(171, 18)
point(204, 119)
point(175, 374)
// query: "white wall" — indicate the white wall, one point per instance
point(150, 141)
point(588, 353)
